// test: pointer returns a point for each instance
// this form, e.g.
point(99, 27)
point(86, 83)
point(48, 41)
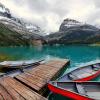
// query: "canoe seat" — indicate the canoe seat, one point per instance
point(72, 77)
point(80, 89)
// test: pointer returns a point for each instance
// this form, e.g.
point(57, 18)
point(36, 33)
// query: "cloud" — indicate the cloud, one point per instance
point(49, 14)
point(97, 3)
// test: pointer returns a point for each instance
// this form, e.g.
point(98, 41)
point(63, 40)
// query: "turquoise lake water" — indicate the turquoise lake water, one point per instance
point(78, 55)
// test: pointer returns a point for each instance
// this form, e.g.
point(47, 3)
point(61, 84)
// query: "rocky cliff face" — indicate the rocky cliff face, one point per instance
point(73, 32)
point(14, 31)
point(4, 11)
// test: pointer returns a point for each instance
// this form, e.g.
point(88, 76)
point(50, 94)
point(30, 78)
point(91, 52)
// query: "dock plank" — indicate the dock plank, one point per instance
point(11, 91)
point(4, 94)
point(57, 63)
point(37, 77)
point(1, 98)
point(43, 68)
point(31, 79)
point(18, 91)
point(46, 70)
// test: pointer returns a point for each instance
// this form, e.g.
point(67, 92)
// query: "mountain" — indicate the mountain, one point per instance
point(32, 27)
point(74, 32)
point(4, 11)
point(15, 31)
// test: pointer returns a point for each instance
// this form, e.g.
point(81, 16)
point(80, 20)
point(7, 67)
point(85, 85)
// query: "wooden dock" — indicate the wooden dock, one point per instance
point(32, 83)
point(11, 89)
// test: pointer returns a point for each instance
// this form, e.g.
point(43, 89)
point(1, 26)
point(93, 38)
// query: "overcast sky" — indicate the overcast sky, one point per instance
point(49, 14)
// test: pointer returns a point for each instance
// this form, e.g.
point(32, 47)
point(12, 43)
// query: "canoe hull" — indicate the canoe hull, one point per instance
point(88, 78)
point(92, 74)
point(67, 93)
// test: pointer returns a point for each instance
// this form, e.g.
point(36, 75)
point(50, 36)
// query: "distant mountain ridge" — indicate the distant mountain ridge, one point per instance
point(5, 12)
point(17, 31)
point(74, 32)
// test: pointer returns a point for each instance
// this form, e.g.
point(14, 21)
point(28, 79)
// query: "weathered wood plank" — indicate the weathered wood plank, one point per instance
point(41, 75)
point(1, 97)
point(57, 64)
point(21, 89)
point(43, 68)
point(26, 82)
point(44, 72)
point(32, 79)
point(38, 77)
point(11, 91)
point(4, 94)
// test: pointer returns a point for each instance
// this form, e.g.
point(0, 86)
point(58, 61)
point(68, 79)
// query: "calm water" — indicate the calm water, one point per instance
point(77, 54)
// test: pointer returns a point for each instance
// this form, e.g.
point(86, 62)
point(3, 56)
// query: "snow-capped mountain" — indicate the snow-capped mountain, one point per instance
point(16, 29)
point(70, 23)
point(5, 12)
point(72, 31)
point(5, 15)
point(31, 27)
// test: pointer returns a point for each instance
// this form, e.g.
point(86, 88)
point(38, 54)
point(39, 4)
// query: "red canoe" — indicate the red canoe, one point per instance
point(77, 90)
point(85, 73)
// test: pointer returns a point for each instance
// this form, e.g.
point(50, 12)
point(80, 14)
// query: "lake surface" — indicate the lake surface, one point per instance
point(78, 55)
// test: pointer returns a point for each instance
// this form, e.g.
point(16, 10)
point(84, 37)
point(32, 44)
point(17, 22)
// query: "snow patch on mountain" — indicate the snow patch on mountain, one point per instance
point(7, 18)
point(5, 12)
point(70, 23)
